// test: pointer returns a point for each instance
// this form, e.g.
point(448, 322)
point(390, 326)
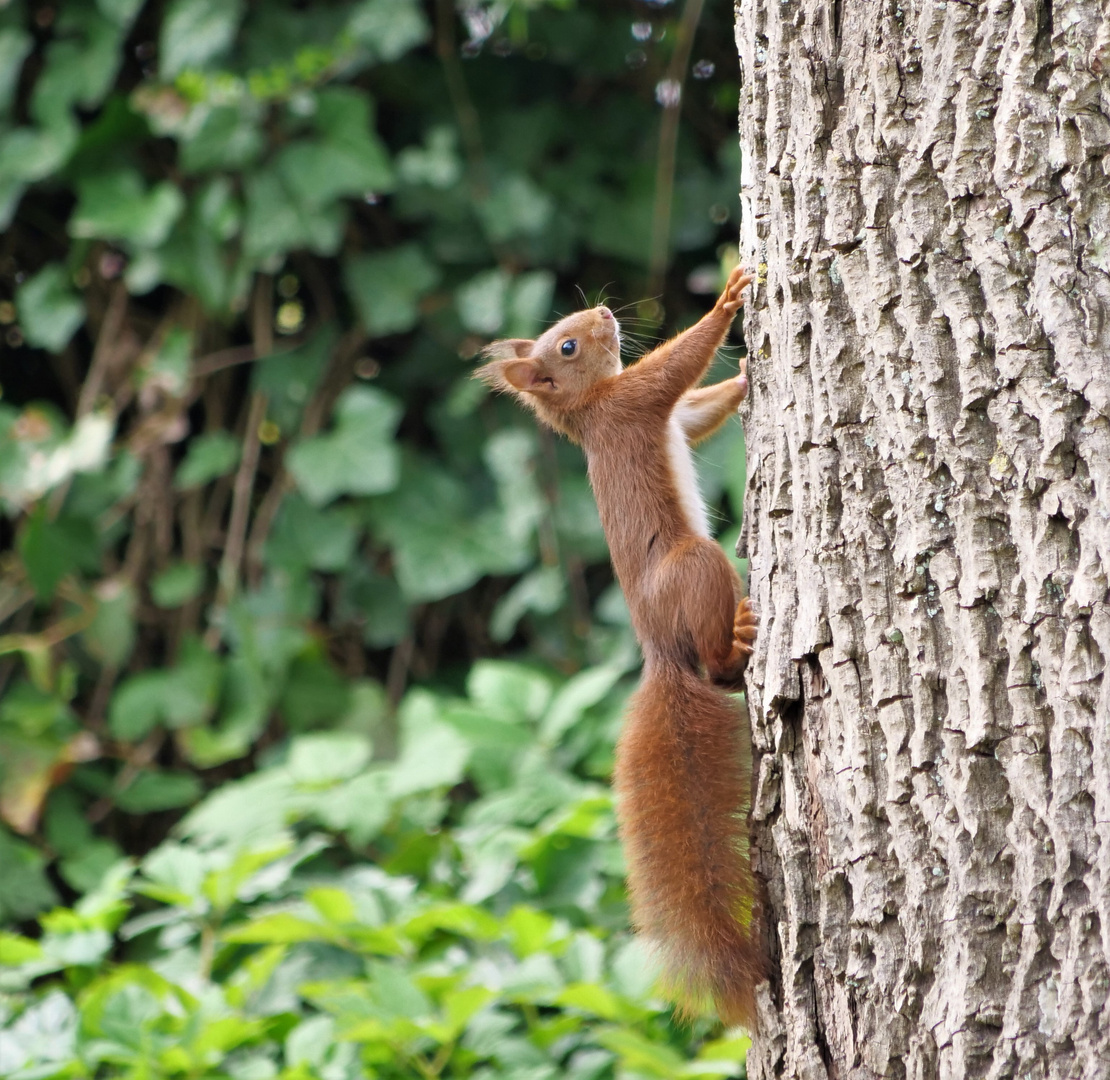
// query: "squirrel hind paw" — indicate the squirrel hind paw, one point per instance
point(745, 625)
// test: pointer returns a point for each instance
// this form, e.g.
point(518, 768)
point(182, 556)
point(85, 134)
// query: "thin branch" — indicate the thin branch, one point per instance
point(465, 112)
point(243, 488)
point(106, 342)
point(223, 358)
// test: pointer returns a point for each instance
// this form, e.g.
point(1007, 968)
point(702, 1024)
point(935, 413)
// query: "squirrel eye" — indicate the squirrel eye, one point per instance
point(569, 347)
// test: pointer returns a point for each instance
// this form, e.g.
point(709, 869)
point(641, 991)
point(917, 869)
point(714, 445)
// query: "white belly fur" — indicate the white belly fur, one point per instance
point(685, 477)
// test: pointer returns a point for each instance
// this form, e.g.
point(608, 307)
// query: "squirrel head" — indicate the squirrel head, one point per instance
point(553, 373)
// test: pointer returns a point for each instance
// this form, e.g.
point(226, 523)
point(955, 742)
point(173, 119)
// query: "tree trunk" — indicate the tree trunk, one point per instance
point(928, 522)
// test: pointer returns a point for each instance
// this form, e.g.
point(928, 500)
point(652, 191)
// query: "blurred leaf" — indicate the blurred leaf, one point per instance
point(543, 591)
point(289, 379)
point(509, 691)
point(516, 206)
point(376, 602)
point(28, 154)
point(176, 697)
point(278, 221)
point(348, 159)
point(436, 164)
point(159, 790)
point(388, 28)
point(110, 636)
point(42, 1038)
point(196, 32)
point(639, 1053)
point(177, 584)
point(81, 61)
point(585, 689)
point(432, 753)
point(357, 456)
point(209, 457)
point(24, 888)
point(118, 206)
point(31, 767)
point(481, 302)
point(248, 811)
point(52, 549)
point(315, 759)
point(304, 536)
point(50, 311)
point(15, 44)
point(222, 137)
point(439, 545)
point(314, 693)
point(280, 928)
point(385, 287)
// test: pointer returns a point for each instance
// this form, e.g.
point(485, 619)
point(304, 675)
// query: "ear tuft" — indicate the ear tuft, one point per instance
point(509, 347)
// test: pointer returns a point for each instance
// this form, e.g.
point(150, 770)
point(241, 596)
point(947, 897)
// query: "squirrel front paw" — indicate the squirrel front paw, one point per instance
point(730, 300)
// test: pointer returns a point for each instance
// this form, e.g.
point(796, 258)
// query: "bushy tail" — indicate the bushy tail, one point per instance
point(683, 779)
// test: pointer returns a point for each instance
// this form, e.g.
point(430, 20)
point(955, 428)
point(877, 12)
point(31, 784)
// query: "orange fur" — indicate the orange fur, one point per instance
point(682, 779)
point(683, 768)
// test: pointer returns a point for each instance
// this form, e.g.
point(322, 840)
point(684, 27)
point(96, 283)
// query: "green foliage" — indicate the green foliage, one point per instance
point(311, 663)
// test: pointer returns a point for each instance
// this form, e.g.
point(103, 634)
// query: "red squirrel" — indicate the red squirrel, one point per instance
point(683, 768)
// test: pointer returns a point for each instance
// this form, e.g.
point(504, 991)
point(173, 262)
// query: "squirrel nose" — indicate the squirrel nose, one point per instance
point(604, 312)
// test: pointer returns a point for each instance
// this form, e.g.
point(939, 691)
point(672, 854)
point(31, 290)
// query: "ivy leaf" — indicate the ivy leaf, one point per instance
point(177, 584)
point(195, 32)
point(52, 549)
point(24, 888)
point(50, 311)
point(117, 206)
point(388, 28)
point(348, 159)
point(159, 790)
point(209, 457)
point(177, 697)
point(357, 457)
point(385, 287)
point(278, 221)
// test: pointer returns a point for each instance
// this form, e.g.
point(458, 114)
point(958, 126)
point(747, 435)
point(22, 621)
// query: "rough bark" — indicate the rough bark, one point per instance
point(928, 522)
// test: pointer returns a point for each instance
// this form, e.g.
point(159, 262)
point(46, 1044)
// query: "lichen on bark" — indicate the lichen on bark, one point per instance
point(928, 522)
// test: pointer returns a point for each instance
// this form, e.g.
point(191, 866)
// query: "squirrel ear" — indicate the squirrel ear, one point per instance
point(521, 376)
point(525, 376)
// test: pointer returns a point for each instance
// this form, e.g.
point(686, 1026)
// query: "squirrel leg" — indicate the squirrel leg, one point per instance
point(698, 583)
point(702, 411)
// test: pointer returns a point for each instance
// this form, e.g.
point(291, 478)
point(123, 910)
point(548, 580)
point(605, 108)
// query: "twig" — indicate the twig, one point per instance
point(105, 346)
point(465, 112)
point(668, 146)
point(248, 466)
point(400, 661)
point(223, 358)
